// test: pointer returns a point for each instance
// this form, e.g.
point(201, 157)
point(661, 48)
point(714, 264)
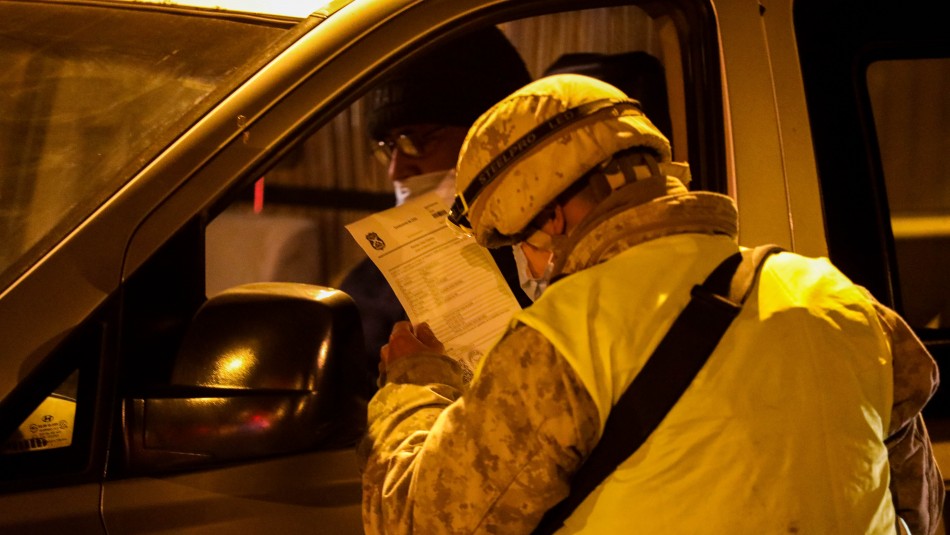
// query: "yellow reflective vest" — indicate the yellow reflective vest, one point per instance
point(783, 429)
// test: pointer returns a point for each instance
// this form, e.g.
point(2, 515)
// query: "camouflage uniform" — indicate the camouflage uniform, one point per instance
point(440, 457)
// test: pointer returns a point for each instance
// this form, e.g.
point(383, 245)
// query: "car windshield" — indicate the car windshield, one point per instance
point(91, 93)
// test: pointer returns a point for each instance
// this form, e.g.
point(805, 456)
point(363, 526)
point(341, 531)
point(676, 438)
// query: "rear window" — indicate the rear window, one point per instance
point(914, 138)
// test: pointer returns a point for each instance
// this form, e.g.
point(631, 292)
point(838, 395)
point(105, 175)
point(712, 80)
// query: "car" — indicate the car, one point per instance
point(175, 178)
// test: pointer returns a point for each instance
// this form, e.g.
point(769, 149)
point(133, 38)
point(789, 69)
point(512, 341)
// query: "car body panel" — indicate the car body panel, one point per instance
point(296, 494)
point(770, 134)
point(70, 509)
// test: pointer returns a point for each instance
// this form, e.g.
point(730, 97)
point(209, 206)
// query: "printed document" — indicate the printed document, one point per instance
point(440, 275)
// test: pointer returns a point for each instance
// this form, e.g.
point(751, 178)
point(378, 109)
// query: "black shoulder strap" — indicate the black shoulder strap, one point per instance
point(666, 375)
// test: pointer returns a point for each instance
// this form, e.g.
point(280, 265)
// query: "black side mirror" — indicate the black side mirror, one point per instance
point(264, 369)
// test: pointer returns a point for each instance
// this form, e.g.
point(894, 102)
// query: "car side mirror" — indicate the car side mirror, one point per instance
point(264, 369)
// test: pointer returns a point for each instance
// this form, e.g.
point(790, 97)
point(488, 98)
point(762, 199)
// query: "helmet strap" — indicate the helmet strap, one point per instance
point(623, 168)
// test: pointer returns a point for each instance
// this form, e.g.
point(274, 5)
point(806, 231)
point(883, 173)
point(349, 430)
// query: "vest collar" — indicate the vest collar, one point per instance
point(620, 228)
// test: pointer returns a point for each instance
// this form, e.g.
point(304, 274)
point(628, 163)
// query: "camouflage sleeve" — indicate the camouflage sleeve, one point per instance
point(916, 483)
point(491, 461)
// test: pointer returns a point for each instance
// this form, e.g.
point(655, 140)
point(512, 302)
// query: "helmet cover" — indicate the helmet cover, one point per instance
point(531, 146)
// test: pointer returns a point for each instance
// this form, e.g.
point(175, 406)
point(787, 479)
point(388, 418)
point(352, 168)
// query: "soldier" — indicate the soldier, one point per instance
point(805, 419)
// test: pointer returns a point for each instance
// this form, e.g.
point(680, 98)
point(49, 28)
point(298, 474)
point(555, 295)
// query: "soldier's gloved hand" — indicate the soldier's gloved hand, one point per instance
point(406, 340)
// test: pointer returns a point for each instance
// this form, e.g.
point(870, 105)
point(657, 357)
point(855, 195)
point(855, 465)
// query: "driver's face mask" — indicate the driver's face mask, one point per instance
point(532, 286)
point(442, 182)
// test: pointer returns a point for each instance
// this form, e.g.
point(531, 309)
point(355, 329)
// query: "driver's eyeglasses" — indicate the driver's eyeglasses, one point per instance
point(411, 144)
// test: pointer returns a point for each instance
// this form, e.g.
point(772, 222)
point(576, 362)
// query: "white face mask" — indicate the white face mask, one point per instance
point(442, 182)
point(532, 286)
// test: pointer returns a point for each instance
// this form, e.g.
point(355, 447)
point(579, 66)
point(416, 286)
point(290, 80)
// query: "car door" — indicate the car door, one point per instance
point(287, 105)
point(792, 145)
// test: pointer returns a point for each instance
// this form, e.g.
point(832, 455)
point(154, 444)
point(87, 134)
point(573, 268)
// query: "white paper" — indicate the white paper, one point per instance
point(440, 275)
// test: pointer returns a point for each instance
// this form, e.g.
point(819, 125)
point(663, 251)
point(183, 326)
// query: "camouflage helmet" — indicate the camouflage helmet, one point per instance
point(534, 144)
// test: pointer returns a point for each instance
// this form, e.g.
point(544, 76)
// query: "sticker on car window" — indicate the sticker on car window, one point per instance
point(50, 426)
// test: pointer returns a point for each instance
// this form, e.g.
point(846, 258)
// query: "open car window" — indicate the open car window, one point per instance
point(291, 222)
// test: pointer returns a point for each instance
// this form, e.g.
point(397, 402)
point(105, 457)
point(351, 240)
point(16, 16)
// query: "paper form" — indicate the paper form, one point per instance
point(440, 276)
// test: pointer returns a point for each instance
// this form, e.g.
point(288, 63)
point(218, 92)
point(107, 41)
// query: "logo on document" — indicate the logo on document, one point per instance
point(375, 241)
